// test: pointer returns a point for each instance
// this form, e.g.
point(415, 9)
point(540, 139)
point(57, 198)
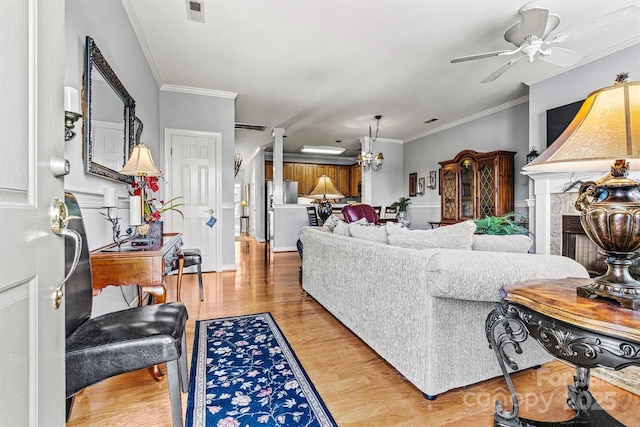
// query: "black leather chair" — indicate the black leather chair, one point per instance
point(115, 343)
point(193, 257)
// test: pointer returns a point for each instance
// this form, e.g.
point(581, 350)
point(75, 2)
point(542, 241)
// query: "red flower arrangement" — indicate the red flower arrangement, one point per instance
point(154, 207)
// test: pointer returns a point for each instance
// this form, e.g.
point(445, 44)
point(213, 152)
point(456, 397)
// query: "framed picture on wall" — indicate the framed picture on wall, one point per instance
point(413, 184)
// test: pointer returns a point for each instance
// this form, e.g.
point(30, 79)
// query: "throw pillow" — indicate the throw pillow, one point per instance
point(369, 232)
point(456, 236)
point(342, 229)
point(506, 243)
point(330, 223)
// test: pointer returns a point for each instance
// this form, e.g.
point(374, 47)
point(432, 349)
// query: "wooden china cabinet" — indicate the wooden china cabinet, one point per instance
point(474, 185)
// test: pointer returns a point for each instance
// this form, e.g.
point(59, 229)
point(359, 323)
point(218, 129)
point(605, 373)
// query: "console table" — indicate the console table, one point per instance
point(137, 266)
point(583, 331)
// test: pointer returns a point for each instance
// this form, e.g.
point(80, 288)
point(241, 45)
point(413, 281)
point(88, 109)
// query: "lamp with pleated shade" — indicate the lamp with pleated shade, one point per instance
point(140, 164)
point(324, 190)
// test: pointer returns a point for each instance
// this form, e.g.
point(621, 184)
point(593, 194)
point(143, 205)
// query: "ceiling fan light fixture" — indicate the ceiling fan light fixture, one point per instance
point(530, 36)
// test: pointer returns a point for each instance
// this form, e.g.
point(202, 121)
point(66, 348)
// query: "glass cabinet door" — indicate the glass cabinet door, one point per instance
point(449, 193)
point(467, 207)
point(486, 189)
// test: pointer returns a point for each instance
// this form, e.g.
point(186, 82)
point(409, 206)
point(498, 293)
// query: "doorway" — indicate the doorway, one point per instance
point(193, 165)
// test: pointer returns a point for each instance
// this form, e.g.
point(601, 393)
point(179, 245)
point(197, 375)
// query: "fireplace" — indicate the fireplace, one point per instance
point(577, 245)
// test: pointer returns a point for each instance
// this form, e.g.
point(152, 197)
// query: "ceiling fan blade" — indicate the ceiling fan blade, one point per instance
point(561, 57)
point(500, 71)
point(483, 55)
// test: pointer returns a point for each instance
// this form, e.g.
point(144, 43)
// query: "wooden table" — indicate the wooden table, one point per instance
point(585, 332)
point(134, 266)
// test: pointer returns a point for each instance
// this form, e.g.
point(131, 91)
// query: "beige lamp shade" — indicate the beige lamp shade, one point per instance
point(606, 128)
point(140, 163)
point(323, 189)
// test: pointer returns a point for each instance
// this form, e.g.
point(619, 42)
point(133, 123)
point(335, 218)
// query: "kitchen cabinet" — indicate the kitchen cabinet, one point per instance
point(305, 174)
point(343, 180)
point(355, 180)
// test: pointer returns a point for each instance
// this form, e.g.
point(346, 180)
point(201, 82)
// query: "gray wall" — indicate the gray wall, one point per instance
point(576, 85)
point(209, 114)
point(515, 129)
point(504, 130)
point(107, 23)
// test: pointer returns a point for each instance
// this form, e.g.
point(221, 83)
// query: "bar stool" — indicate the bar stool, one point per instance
point(191, 257)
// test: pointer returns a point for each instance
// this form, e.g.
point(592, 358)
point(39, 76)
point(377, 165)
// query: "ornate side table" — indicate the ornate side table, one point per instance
point(585, 332)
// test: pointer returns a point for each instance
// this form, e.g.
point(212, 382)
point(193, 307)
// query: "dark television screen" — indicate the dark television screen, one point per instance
point(559, 118)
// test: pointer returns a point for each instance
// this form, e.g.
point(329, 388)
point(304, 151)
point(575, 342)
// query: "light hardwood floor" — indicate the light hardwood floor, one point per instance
point(358, 387)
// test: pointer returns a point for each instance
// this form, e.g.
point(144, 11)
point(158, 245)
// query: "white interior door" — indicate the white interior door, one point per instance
point(193, 173)
point(32, 375)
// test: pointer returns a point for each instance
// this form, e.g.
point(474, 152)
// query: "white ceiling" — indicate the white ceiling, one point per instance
point(321, 69)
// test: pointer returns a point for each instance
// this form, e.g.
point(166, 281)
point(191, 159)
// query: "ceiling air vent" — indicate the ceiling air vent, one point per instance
point(249, 126)
point(195, 11)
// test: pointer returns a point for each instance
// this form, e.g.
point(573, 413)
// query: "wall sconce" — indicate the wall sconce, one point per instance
point(421, 184)
point(237, 162)
point(432, 180)
point(71, 111)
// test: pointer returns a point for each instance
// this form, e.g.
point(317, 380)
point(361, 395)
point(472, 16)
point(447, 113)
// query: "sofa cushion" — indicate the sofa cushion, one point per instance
point(456, 236)
point(505, 243)
point(369, 232)
point(331, 222)
point(342, 229)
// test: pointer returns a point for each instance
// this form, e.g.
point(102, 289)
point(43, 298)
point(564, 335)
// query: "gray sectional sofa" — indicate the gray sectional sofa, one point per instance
point(423, 307)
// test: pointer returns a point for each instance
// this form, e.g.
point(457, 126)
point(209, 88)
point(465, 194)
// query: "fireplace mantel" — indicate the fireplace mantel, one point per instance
point(554, 196)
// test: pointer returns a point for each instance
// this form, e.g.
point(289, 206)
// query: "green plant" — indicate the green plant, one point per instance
point(499, 225)
point(401, 204)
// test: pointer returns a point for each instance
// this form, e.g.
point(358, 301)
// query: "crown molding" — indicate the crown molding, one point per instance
point(598, 55)
point(471, 118)
point(199, 91)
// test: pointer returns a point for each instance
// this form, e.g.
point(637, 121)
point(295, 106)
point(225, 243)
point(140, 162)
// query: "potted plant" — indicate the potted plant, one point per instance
point(153, 209)
point(499, 225)
point(401, 204)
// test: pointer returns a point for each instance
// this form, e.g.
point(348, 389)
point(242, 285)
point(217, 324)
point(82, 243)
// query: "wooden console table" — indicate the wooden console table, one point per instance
point(583, 331)
point(132, 266)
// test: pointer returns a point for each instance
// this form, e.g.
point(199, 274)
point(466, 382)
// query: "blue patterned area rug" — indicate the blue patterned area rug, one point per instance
point(244, 373)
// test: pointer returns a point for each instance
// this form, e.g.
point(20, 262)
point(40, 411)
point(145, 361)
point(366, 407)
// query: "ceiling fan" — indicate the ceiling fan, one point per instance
point(529, 35)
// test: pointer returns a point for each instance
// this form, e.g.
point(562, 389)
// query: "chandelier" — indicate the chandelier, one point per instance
point(368, 160)
point(237, 162)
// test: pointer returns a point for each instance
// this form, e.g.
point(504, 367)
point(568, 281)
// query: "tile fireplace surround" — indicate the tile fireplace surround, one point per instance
point(551, 201)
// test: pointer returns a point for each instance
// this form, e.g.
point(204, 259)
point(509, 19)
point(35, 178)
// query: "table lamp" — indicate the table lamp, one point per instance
point(140, 164)
point(324, 190)
point(605, 135)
